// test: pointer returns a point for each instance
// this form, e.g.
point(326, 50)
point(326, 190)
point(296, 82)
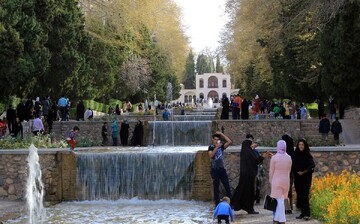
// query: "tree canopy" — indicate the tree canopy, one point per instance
point(93, 49)
point(294, 49)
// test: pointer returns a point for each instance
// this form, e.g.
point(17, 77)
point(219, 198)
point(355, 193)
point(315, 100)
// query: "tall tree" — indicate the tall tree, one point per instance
point(218, 67)
point(340, 55)
point(189, 74)
point(24, 58)
point(203, 64)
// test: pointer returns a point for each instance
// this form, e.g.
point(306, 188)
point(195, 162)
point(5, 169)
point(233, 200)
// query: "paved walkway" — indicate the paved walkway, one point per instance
point(11, 209)
point(351, 131)
point(266, 217)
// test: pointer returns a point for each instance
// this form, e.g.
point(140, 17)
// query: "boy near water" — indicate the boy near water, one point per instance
point(223, 211)
point(71, 137)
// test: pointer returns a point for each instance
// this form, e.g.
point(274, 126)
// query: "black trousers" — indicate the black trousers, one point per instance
point(223, 217)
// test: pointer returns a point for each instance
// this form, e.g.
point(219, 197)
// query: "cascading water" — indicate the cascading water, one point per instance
point(154, 176)
point(210, 103)
point(180, 133)
point(35, 189)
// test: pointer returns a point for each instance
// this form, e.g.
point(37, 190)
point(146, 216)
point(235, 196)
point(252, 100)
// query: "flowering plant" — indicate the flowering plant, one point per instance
point(336, 199)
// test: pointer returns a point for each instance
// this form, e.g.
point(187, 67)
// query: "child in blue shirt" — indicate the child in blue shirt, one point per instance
point(223, 211)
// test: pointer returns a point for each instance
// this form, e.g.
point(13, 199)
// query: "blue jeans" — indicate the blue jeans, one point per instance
point(217, 175)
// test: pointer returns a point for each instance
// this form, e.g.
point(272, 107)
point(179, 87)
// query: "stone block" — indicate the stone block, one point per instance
point(3, 192)
point(11, 190)
point(9, 181)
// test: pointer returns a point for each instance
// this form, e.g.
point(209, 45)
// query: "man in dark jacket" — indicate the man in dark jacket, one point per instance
point(336, 129)
point(11, 117)
point(324, 127)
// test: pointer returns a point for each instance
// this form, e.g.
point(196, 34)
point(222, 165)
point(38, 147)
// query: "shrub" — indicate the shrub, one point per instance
point(40, 141)
point(336, 199)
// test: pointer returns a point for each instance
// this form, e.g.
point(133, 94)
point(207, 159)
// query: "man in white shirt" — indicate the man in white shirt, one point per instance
point(38, 126)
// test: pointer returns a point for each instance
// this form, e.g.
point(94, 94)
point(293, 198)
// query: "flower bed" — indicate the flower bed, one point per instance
point(336, 199)
point(43, 141)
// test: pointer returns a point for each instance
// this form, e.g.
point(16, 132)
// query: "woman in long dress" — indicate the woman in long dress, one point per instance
point(244, 195)
point(303, 166)
point(279, 177)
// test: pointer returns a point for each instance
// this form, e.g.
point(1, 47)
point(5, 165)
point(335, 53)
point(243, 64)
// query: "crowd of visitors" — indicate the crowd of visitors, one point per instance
point(241, 108)
point(287, 166)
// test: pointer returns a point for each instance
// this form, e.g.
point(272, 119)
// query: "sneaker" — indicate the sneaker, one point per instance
point(307, 218)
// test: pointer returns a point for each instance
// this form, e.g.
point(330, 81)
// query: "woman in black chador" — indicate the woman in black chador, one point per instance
point(245, 109)
point(225, 108)
point(138, 133)
point(124, 133)
point(302, 167)
point(290, 151)
point(244, 195)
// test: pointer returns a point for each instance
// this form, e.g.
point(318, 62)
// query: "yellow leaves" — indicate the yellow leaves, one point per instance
point(336, 199)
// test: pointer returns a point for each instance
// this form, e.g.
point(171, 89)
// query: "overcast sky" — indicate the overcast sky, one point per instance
point(204, 20)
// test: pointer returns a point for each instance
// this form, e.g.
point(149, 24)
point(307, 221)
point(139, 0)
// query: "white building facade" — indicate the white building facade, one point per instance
point(208, 85)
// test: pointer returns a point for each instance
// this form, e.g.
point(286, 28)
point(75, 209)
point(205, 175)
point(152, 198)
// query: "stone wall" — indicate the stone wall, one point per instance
point(92, 130)
point(59, 171)
point(14, 172)
point(267, 132)
point(353, 113)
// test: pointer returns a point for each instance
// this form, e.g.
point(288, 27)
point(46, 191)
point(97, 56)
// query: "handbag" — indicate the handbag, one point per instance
point(270, 203)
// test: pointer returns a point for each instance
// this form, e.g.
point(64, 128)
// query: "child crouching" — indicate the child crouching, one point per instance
point(223, 211)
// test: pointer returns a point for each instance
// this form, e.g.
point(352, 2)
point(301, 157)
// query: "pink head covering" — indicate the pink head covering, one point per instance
point(281, 147)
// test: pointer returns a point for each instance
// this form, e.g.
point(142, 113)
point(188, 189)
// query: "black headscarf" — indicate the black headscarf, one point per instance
point(289, 144)
point(303, 160)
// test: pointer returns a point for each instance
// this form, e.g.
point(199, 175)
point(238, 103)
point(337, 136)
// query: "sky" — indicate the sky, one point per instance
point(204, 20)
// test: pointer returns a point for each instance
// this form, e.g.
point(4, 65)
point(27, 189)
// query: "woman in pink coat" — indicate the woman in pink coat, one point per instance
point(279, 176)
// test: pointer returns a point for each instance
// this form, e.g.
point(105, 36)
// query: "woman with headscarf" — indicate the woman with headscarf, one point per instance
point(138, 133)
point(114, 131)
point(290, 151)
point(225, 108)
point(244, 195)
point(256, 108)
point(245, 109)
point(302, 166)
point(279, 178)
point(37, 106)
point(124, 133)
point(117, 109)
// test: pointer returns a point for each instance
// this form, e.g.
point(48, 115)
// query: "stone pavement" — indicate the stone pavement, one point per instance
point(266, 217)
point(11, 209)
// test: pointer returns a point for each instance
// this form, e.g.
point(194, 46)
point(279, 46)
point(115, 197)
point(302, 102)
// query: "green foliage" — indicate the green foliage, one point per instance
point(303, 50)
point(101, 107)
point(189, 74)
point(46, 49)
point(40, 141)
point(340, 54)
point(218, 67)
point(204, 64)
point(87, 142)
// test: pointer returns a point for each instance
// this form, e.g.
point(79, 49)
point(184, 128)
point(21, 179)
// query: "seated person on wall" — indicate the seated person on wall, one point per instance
point(166, 115)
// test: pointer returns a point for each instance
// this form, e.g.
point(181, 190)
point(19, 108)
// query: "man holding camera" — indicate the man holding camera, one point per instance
point(218, 171)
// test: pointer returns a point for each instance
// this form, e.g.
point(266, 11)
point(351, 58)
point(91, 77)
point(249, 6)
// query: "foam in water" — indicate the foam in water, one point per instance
point(129, 211)
point(35, 188)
